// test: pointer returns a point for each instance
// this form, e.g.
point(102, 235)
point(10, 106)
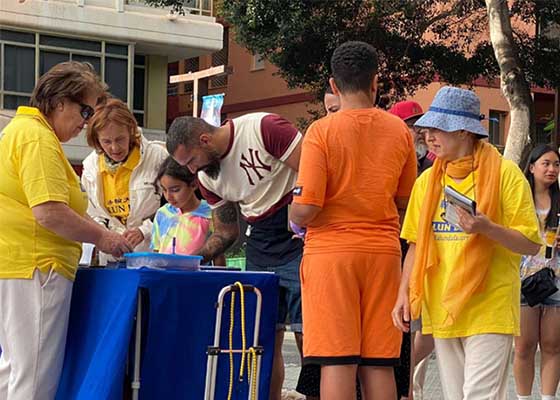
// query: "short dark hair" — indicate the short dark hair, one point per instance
point(71, 80)
point(353, 65)
point(172, 168)
point(186, 131)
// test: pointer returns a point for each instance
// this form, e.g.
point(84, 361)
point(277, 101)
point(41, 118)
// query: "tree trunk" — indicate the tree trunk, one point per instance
point(513, 83)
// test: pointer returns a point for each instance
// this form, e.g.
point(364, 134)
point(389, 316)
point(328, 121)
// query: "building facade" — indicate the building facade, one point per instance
point(254, 85)
point(129, 44)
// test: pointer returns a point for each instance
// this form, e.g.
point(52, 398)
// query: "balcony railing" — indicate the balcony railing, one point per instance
point(196, 7)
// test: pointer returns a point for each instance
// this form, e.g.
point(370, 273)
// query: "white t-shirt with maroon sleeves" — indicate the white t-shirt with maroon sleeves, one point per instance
point(253, 172)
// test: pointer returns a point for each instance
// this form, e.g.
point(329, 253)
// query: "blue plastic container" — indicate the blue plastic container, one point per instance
point(162, 261)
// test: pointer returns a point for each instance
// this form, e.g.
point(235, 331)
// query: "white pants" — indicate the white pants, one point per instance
point(419, 378)
point(474, 367)
point(33, 324)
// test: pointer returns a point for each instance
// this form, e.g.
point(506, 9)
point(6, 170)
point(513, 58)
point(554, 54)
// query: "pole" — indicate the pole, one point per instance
point(556, 130)
point(195, 99)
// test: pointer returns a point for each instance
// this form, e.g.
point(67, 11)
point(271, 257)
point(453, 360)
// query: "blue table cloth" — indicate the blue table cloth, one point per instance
point(179, 320)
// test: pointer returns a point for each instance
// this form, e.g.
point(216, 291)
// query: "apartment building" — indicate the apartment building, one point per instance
point(253, 85)
point(129, 44)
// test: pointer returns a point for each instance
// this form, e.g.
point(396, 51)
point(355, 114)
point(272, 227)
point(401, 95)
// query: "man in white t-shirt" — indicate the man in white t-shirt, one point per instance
point(251, 160)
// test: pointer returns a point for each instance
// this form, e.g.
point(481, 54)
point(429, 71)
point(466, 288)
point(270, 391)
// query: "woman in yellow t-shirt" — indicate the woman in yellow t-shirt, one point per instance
point(462, 269)
point(539, 324)
point(119, 175)
point(43, 218)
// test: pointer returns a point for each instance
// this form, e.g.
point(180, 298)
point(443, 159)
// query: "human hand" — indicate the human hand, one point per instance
point(298, 230)
point(114, 244)
point(134, 236)
point(401, 312)
point(470, 224)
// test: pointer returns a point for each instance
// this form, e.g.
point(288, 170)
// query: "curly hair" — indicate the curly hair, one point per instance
point(353, 65)
point(71, 80)
point(115, 111)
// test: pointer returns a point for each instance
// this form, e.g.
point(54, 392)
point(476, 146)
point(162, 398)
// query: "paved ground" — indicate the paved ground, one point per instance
point(432, 387)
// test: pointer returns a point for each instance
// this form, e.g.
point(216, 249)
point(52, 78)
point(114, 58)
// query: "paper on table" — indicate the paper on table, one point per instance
point(87, 253)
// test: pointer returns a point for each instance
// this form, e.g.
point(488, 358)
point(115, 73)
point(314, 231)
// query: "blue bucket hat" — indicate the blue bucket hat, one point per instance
point(454, 109)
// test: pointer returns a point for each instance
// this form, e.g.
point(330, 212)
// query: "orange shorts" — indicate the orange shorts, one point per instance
point(347, 300)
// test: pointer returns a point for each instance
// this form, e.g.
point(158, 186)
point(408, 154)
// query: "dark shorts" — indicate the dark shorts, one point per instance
point(551, 301)
point(289, 302)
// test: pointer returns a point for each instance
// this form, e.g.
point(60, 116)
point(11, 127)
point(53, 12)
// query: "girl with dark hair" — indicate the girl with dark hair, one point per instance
point(183, 224)
point(539, 324)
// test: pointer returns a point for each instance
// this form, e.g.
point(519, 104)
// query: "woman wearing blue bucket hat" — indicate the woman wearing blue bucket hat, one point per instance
point(462, 273)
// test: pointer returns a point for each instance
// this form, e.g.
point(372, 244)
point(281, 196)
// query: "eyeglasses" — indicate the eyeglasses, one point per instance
point(86, 111)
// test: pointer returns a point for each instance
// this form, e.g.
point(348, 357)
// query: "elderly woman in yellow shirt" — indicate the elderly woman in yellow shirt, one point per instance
point(463, 273)
point(43, 218)
point(119, 175)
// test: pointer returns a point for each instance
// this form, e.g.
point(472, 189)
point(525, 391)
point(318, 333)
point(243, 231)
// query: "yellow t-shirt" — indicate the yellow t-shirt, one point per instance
point(116, 185)
point(35, 171)
point(496, 310)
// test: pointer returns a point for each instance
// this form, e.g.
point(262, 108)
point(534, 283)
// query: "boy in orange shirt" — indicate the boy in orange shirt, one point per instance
point(356, 173)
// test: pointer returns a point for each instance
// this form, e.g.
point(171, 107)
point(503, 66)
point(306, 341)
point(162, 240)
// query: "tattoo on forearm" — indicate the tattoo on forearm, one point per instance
point(216, 244)
point(227, 214)
point(226, 227)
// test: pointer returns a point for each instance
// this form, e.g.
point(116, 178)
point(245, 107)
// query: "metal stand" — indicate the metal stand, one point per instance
point(214, 351)
point(137, 347)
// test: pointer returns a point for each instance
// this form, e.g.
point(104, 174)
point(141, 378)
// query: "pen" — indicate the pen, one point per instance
point(173, 244)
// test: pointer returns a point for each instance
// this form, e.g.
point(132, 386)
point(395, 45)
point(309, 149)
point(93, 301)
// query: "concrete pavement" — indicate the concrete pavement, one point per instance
point(432, 386)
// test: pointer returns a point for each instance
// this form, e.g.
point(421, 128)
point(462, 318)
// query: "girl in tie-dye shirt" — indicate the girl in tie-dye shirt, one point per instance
point(185, 217)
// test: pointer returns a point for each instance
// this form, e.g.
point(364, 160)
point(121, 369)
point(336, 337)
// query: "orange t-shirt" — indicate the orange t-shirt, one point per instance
point(353, 165)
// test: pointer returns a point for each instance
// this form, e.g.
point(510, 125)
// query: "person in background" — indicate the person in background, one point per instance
point(331, 101)
point(250, 162)
point(539, 324)
point(183, 225)
point(351, 266)
point(410, 111)
point(43, 218)
point(119, 175)
point(461, 273)
point(422, 345)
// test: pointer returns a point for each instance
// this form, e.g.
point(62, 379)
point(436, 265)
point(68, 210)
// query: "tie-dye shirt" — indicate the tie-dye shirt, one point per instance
point(190, 229)
point(533, 264)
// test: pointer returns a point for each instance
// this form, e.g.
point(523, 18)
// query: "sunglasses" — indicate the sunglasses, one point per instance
point(86, 111)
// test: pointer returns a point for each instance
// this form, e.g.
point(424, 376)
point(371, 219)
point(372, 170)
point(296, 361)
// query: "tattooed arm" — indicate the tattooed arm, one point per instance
point(226, 232)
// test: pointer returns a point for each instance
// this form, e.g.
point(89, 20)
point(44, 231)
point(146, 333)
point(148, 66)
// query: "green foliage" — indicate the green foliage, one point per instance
point(418, 41)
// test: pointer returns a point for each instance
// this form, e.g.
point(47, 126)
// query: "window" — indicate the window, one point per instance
point(19, 69)
point(257, 62)
point(221, 58)
point(172, 88)
point(191, 65)
point(116, 76)
point(139, 88)
point(496, 127)
point(70, 43)
point(94, 61)
point(18, 75)
point(48, 59)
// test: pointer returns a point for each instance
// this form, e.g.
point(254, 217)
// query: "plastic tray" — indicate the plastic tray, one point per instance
point(162, 261)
